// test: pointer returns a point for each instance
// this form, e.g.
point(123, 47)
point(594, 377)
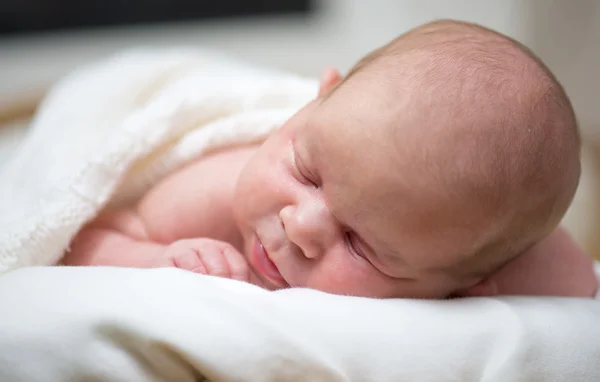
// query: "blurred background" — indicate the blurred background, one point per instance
point(40, 40)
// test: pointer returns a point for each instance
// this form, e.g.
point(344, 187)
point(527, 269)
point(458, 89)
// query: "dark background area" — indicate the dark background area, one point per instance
point(29, 16)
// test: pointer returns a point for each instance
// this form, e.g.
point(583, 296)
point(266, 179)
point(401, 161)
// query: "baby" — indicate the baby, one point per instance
point(440, 166)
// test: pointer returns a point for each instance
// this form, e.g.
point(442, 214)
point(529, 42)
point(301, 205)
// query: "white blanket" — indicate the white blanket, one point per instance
point(107, 133)
point(129, 325)
point(125, 123)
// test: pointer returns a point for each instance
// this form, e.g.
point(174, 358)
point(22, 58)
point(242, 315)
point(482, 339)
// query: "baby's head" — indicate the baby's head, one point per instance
point(438, 159)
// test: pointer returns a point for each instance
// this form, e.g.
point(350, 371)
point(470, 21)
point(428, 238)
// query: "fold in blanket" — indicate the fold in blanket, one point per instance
point(109, 131)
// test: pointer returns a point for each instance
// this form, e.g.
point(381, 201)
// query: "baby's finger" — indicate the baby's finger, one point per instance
point(188, 259)
point(214, 260)
point(238, 266)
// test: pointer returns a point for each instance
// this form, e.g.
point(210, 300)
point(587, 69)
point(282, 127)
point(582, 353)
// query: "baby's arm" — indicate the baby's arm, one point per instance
point(556, 266)
point(194, 201)
point(118, 239)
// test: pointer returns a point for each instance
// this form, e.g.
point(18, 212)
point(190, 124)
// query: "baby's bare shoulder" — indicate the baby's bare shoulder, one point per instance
point(556, 266)
point(196, 200)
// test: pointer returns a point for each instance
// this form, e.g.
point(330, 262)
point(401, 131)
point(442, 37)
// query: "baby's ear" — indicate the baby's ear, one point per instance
point(484, 288)
point(329, 79)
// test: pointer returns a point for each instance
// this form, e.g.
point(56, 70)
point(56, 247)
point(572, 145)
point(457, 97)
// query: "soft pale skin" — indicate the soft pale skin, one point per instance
point(327, 213)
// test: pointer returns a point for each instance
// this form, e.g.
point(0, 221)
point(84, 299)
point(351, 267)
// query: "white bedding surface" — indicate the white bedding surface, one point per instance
point(105, 134)
point(107, 324)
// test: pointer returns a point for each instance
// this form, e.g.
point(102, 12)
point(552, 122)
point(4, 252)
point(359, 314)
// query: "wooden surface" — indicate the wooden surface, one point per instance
point(19, 107)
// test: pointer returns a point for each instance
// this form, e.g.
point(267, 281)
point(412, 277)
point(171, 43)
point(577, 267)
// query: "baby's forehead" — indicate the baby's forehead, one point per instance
point(357, 144)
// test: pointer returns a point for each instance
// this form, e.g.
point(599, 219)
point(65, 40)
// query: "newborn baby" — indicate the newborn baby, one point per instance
point(440, 166)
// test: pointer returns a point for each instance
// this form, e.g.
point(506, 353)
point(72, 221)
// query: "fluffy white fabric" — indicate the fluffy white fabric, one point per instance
point(125, 123)
point(107, 133)
point(111, 324)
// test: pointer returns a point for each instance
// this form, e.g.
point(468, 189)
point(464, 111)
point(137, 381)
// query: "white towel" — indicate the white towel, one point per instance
point(109, 131)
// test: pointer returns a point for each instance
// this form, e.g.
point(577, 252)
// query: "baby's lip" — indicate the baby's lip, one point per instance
point(264, 266)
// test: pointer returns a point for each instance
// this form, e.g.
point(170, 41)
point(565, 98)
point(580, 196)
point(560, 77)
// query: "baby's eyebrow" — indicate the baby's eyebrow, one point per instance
point(305, 152)
point(311, 141)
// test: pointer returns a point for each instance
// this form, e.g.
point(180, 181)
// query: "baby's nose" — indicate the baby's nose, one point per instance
point(307, 226)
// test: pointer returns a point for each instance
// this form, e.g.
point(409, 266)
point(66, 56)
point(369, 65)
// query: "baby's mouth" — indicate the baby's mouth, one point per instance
point(264, 266)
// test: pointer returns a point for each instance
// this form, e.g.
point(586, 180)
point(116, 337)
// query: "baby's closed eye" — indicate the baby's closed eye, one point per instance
point(301, 171)
point(353, 245)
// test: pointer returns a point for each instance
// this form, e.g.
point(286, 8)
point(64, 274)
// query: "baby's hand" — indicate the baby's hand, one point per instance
point(209, 257)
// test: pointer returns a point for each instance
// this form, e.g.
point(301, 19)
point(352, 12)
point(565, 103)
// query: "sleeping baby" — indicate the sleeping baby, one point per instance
point(440, 166)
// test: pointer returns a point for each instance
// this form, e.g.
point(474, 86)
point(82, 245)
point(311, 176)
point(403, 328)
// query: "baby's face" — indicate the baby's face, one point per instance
point(332, 201)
